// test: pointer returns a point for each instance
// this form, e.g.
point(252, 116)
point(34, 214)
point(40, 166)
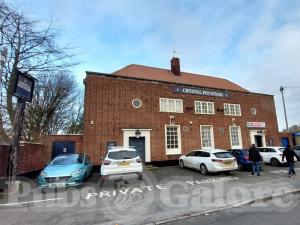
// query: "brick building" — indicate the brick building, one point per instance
point(166, 113)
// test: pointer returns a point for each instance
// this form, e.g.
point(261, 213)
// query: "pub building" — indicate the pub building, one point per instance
point(166, 113)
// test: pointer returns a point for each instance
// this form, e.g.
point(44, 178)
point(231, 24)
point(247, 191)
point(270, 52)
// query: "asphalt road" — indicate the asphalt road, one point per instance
point(268, 213)
point(166, 192)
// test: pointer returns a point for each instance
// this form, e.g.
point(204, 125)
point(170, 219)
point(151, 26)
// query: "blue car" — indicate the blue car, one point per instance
point(242, 158)
point(66, 170)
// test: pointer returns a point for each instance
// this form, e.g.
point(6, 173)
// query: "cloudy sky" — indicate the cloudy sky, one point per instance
point(255, 44)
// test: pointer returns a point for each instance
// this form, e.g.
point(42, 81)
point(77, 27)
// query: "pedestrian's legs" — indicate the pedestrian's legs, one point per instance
point(293, 168)
point(257, 168)
point(290, 168)
point(253, 168)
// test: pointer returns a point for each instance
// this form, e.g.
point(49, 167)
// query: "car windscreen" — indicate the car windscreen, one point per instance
point(223, 155)
point(122, 155)
point(68, 159)
point(281, 149)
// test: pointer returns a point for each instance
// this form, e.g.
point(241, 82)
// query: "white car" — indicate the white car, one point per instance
point(213, 160)
point(120, 162)
point(273, 155)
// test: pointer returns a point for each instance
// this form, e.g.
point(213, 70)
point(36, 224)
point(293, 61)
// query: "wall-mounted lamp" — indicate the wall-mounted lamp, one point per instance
point(233, 121)
point(261, 132)
point(191, 122)
point(91, 122)
point(137, 133)
point(172, 119)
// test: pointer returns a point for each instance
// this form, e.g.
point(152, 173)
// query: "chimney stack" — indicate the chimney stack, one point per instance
point(175, 66)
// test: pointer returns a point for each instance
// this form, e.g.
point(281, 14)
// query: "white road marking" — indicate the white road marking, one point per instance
point(36, 201)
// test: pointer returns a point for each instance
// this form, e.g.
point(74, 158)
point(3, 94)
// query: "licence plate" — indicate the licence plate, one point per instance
point(57, 184)
point(123, 164)
point(228, 163)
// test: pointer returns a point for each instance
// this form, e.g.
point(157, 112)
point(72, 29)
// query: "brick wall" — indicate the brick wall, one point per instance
point(49, 139)
point(108, 110)
point(30, 157)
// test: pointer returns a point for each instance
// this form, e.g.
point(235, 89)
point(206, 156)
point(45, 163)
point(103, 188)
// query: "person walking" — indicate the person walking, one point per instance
point(289, 154)
point(255, 157)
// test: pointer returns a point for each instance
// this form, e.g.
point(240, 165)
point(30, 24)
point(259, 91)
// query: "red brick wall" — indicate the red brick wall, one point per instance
point(49, 139)
point(4, 154)
point(108, 105)
point(30, 157)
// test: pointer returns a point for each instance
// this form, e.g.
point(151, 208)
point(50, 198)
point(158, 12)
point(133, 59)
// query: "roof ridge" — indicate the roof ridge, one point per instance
point(153, 67)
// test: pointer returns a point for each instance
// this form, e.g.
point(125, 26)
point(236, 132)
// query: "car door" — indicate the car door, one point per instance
point(263, 153)
point(269, 153)
point(237, 155)
point(197, 159)
point(189, 159)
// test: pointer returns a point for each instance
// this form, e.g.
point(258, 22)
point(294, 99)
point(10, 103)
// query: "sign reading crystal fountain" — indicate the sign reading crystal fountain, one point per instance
point(200, 91)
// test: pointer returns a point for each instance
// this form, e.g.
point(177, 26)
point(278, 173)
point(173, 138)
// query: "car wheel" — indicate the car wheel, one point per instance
point(84, 178)
point(274, 162)
point(181, 164)
point(203, 169)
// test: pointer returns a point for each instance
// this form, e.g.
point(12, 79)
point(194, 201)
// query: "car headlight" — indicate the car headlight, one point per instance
point(76, 172)
point(43, 174)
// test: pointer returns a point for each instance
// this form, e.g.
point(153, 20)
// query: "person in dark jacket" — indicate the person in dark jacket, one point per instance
point(289, 154)
point(255, 157)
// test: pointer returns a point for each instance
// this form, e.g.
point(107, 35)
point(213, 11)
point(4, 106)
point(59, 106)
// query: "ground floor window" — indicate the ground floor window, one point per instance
point(235, 137)
point(172, 139)
point(207, 137)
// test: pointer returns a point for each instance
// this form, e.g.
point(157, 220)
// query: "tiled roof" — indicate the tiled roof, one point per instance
point(157, 74)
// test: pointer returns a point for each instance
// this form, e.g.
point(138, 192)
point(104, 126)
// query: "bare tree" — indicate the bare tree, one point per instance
point(29, 49)
point(52, 108)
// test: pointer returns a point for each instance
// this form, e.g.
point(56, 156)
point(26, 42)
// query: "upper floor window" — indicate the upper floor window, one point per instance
point(204, 107)
point(171, 105)
point(232, 109)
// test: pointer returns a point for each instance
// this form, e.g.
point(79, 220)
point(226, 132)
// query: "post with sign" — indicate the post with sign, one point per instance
point(24, 87)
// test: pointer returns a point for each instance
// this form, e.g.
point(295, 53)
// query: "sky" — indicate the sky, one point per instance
point(254, 43)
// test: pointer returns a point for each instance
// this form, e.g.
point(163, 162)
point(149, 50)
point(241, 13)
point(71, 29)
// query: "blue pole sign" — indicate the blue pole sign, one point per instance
point(24, 86)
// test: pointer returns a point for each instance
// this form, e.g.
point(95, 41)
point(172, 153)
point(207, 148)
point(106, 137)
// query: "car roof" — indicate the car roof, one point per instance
point(212, 150)
point(116, 149)
point(276, 147)
point(238, 149)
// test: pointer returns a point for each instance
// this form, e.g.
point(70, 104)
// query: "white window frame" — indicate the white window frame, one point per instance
point(234, 109)
point(211, 137)
point(240, 138)
point(207, 103)
point(168, 108)
point(173, 151)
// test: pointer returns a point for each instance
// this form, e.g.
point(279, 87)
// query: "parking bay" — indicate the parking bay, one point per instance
point(165, 192)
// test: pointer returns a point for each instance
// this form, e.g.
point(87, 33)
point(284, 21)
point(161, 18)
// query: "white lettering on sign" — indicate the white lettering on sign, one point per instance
point(256, 124)
point(201, 91)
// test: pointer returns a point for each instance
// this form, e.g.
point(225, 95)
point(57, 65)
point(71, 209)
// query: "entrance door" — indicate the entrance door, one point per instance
point(62, 147)
point(258, 140)
point(139, 145)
